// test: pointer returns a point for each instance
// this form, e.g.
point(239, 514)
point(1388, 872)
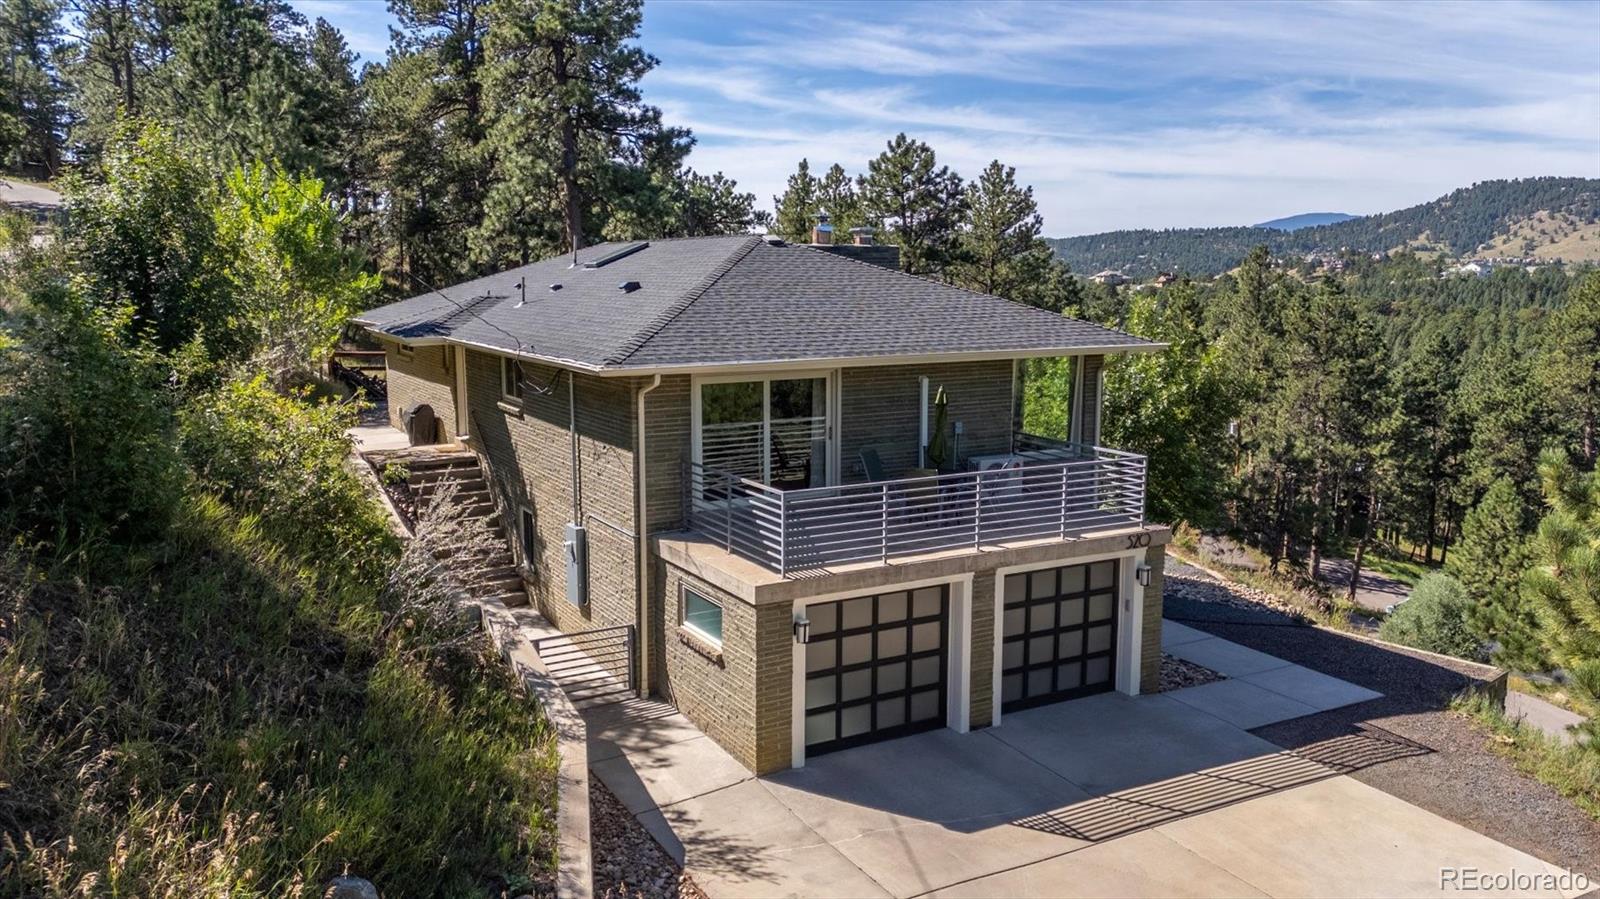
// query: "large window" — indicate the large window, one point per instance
point(702, 615)
point(772, 431)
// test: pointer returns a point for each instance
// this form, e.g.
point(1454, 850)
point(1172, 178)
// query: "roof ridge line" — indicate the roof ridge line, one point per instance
point(638, 340)
point(977, 293)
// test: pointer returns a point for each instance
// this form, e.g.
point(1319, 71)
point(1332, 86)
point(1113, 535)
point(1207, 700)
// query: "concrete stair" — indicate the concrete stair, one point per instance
point(495, 574)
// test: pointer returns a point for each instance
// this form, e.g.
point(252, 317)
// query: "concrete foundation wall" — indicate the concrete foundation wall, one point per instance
point(427, 377)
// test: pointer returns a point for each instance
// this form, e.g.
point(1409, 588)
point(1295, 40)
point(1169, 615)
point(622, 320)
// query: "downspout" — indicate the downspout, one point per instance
point(642, 528)
point(572, 431)
point(922, 419)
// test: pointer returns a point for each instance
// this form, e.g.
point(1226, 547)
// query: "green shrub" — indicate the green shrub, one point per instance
point(85, 427)
point(285, 460)
point(1434, 618)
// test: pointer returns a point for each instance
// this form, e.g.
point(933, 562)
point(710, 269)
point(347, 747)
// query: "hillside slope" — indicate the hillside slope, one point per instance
point(1466, 221)
point(1305, 220)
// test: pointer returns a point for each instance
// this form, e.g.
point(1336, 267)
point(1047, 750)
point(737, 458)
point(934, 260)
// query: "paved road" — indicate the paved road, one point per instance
point(1548, 717)
point(28, 196)
point(1374, 591)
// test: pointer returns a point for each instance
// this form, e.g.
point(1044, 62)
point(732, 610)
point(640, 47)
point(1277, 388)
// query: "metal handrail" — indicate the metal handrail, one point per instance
point(1059, 491)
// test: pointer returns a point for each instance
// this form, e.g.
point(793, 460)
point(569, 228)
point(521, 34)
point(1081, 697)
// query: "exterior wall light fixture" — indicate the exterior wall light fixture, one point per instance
point(802, 630)
point(1142, 574)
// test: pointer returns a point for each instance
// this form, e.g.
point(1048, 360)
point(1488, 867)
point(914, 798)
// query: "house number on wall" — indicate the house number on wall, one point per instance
point(1138, 541)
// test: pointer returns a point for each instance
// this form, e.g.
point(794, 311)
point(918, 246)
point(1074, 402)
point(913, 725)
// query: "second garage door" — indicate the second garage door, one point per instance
point(875, 667)
point(1060, 634)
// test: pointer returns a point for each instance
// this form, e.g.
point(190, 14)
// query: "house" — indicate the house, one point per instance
point(1110, 278)
point(735, 447)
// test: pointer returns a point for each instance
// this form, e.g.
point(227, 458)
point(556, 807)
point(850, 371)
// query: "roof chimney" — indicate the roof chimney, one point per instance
point(861, 237)
point(822, 231)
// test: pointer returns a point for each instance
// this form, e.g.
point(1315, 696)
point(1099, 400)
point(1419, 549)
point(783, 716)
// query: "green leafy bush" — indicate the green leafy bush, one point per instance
point(284, 460)
point(1434, 618)
point(85, 427)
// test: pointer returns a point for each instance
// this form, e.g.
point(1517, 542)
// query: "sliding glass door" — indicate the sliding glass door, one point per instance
point(774, 431)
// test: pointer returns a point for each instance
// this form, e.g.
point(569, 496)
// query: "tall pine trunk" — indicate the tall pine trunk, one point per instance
point(1361, 546)
point(572, 209)
point(1314, 562)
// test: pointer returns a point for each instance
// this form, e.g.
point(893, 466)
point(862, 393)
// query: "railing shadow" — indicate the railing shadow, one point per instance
point(1128, 811)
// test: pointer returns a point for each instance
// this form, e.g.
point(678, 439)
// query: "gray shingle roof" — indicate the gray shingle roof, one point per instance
point(724, 300)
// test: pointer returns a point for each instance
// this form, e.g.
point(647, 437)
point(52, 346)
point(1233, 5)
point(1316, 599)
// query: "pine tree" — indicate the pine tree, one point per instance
point(1489, 563)
point(33, 93)
point(1571, 365)
point(1429, 438)
point(569, 129)
point(424, 146)
point(1000, 250)
point(919, 204)
point(796, 210)
point(1564, 584)
point(836, 193)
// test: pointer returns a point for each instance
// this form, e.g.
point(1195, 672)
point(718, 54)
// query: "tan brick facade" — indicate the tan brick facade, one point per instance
point(1150, 632)
point(741, 693)
point(880, 409)
point(738, 693)
point(528, 447)
point(428, 376)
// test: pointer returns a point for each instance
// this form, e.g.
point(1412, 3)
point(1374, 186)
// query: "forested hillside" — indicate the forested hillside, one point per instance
point(1457, 224)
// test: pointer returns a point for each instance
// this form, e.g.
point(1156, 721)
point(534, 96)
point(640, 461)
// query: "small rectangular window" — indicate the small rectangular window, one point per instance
point(527, 535)
point(405, 351)
point(702, 615)
point(511, 378)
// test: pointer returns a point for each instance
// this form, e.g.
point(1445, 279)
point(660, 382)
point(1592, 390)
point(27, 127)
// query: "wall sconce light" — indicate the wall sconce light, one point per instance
point(802, 630)
point(1141, 573)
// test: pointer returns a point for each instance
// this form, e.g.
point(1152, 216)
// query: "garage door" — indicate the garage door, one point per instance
point(1060, 634)
point(875, 667)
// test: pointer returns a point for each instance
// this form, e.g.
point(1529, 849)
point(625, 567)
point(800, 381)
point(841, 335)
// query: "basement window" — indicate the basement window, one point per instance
point(511, 379)
point(528, 538)
point(701, 615)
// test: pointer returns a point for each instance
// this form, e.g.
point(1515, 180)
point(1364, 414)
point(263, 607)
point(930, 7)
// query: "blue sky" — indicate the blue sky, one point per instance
point(1130, 114)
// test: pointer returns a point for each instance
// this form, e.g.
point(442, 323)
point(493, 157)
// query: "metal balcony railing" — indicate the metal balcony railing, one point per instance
point(1054, 490)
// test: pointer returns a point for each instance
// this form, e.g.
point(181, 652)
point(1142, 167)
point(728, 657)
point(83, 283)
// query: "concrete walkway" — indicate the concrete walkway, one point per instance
point(1164, 794)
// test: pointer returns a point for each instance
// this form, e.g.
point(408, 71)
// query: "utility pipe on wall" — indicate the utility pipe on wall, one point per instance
point(642, 527)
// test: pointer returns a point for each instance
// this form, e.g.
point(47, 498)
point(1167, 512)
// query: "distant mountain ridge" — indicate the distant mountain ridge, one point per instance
point(1305, 220)
point(1458, 223)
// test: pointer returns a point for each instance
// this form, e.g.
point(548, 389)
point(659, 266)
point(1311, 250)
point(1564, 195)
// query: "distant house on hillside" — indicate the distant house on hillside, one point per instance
point(1109, 278)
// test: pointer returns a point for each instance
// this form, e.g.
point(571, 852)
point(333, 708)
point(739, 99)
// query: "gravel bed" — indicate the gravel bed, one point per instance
point(1178, 673)
point(628, 862)
point(1455, 774)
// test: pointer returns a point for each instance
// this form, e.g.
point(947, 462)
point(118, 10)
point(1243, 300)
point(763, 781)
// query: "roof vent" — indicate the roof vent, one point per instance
point(627, 249)
point(628, 286)
point(555, 287)
point(773, 240)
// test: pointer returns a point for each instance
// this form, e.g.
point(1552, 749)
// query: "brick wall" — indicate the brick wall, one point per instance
point(1150, 635)
point(983, 625)
point(880, 409)
point(1090, 430)
point(715, 690)
point(668, 438)
point(529, 453)
point(427, 377)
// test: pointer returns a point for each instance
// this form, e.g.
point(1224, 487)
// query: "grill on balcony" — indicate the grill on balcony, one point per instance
point(1053, 490)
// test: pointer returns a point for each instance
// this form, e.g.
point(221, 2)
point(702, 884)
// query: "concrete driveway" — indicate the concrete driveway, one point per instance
point(1107, 795)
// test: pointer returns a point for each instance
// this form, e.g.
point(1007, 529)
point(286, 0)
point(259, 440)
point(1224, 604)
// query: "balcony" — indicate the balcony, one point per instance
point(1044, 490)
